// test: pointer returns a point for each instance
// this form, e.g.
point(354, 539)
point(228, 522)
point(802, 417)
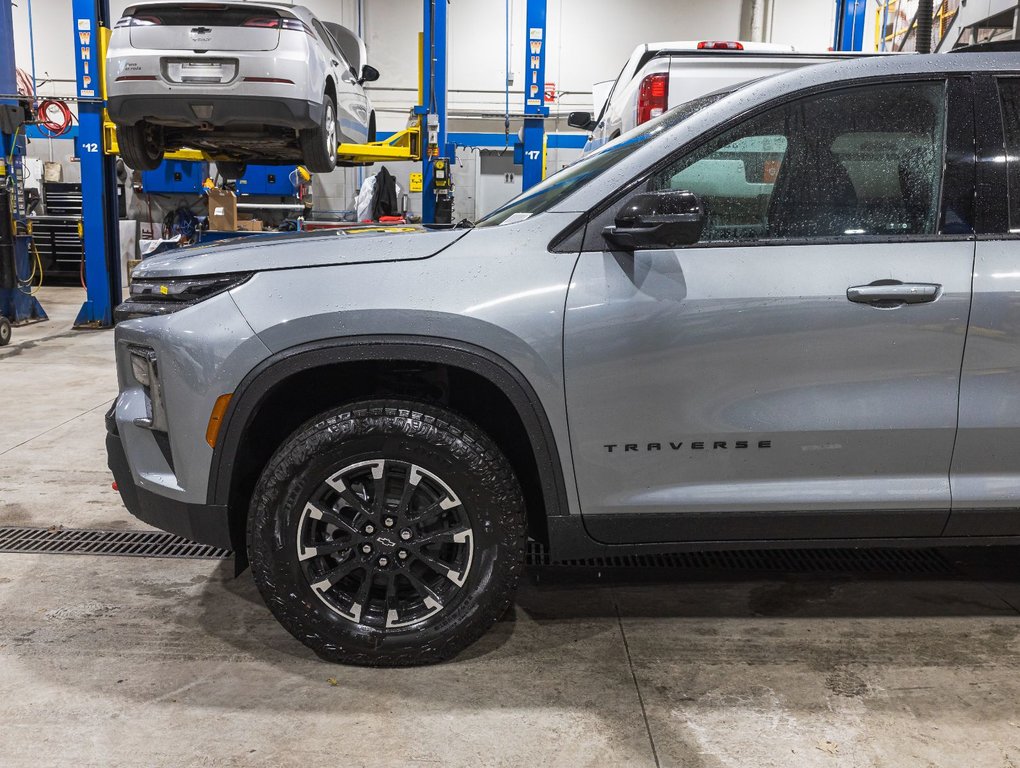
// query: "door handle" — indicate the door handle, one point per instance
point(889, 293)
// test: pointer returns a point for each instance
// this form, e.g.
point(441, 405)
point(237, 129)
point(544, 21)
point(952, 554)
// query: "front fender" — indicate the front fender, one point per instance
point(258, 385)
point(498, 290)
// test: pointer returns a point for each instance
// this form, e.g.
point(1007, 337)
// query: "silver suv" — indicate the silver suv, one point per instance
point(242, 81)
point(783, 317)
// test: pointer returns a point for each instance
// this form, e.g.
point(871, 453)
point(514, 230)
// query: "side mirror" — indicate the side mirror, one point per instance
point(657, 220)
point(369, 74)
point(581, 120)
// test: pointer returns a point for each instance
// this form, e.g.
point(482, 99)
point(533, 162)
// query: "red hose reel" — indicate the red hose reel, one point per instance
point(56, 125)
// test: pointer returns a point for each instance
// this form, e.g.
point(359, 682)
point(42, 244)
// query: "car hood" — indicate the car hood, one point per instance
point(353, 245)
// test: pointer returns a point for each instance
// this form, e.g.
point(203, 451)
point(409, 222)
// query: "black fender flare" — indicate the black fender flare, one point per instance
point(274, 370)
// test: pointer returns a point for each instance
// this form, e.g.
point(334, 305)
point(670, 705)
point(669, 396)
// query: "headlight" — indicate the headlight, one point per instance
point(146, 372)
point(141, 366)
point(161, 296)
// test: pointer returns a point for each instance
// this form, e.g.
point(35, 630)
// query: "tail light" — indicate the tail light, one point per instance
point(720, 45)
point(275, 22)
point(296, 25)
point(138, 21)
point(653, 96)
point(263, 22)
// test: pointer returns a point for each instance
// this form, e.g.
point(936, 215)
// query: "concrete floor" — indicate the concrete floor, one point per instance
point(119, 661)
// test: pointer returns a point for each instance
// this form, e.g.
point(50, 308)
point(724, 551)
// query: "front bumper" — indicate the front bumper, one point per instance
point(203, 523)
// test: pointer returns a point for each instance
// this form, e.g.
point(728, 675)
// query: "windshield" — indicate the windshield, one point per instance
point(545, 195)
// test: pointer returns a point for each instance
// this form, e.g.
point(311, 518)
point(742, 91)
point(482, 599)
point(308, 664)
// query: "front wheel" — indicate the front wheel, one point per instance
point(387, 533)
point(319, 144)
point(5, 331)
point(141, 145)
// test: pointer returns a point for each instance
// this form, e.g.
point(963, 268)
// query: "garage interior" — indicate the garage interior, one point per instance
point(124, 645)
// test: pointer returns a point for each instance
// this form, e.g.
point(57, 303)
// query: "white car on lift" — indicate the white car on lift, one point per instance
point(659, 76)
point(243, 81)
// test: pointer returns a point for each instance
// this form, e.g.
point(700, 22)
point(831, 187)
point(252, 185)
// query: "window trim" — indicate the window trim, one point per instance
point(594, 242)
point(992, 176)
point(959, 161)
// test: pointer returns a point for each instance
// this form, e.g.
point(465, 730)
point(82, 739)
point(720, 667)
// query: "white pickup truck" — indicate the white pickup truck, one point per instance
point(659, 76)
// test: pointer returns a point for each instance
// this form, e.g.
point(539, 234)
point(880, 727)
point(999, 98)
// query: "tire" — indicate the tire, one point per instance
point(141, 145)
point(464, 513)
point(319, 145)
point(230, 170)
point(371, 128)
point(5, 331)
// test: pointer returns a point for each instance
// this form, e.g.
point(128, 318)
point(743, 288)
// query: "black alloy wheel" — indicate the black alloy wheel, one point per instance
point(387, 533)
point(385, 543)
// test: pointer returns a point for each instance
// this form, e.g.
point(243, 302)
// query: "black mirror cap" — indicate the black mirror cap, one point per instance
point(667, 218)
point(369, 74)
point(581, 120)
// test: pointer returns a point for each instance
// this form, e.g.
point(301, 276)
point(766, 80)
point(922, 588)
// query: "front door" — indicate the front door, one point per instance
point(796, 373)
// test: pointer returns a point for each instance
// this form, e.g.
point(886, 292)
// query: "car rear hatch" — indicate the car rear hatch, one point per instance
point(206, 26)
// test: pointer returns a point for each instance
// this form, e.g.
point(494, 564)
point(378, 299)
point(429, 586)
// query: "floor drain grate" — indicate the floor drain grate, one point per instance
point(858, 561)
point(77, 541)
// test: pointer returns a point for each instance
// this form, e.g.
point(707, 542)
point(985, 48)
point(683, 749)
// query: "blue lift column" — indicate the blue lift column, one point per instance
point(101, 233)
point(433, 111)
point(535, 111)
point(850, 19)
point(16, 301)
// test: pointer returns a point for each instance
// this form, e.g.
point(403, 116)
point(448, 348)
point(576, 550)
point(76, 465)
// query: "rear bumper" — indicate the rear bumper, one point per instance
point(221, 111)
point(203, 523)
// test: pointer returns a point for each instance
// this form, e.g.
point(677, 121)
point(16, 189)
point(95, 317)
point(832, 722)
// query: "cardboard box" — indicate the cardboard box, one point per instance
point(222, 210)
point(249, 225)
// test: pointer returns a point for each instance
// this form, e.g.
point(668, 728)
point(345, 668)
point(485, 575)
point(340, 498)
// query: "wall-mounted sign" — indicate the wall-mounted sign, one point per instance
point(86, 67)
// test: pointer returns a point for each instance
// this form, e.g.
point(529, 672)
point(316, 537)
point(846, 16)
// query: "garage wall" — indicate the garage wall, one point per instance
point(806, 24)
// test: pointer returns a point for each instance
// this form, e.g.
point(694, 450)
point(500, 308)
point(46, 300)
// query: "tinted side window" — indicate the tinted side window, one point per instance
point(326, 38)
point(1009, 96)
point(860, 161)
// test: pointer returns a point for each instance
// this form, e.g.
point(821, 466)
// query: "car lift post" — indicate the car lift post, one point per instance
point(436, 204)
point(16, 302)
point(100, 228)
point(533, 151)
point(850, 19)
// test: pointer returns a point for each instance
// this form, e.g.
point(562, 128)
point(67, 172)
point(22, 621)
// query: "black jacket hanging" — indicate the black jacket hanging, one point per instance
point(384, 196)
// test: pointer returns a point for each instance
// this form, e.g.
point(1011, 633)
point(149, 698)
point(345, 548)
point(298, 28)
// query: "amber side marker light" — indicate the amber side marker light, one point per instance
point(212, 432)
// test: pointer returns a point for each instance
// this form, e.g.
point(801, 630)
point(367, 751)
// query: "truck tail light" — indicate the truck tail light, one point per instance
point(653, 96)
point(720, 45)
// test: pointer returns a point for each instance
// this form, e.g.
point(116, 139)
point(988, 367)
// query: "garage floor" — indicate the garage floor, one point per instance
point(129, 661)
